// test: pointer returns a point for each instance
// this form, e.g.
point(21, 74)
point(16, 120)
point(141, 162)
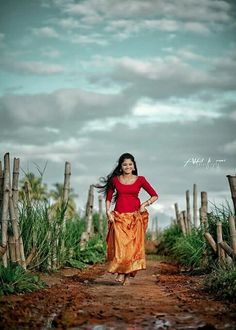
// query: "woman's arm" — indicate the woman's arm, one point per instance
point(149, 189)
point(108, 211)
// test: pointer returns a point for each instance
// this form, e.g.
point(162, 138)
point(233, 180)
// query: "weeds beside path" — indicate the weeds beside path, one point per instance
point(159, 297)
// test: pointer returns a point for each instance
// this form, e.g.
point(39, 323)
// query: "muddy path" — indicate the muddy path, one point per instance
point(158, 298)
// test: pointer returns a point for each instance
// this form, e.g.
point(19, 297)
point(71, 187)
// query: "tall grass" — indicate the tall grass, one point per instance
point(222, 282)
point(192, 250)
point(48, 241)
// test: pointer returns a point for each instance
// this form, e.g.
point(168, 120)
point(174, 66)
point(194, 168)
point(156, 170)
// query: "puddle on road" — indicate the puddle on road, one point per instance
point(181, 321)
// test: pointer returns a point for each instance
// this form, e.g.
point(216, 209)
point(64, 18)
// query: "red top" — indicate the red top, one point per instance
point(127, 194)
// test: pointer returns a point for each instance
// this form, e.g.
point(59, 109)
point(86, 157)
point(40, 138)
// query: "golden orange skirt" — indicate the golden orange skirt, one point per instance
point(126, 242)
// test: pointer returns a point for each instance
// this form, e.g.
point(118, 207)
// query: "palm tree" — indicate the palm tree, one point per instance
point(57, 196)
point(32, 188)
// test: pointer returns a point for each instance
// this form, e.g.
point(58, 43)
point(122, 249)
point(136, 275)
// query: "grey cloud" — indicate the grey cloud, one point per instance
point(169, 77)
point(187, 9)
point(66, 110)
point(30, 67)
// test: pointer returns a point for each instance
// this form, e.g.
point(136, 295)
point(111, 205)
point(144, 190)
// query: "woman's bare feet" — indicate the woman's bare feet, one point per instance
point(120, 278)
point(126, 280)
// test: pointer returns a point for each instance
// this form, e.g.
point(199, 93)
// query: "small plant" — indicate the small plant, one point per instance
point(14, 279)
point(188, 250)
point(168, 239)
point(222, 282)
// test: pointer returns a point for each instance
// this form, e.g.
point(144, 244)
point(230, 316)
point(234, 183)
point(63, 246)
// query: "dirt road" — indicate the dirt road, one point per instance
point(158, 298)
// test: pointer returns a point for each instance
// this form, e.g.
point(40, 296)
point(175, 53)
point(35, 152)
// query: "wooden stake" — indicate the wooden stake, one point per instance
point(177, 214)
point(89, 211)
point(5, 205)
point(14, 212)
point(66, 187)
point(182, 223)
point(12, 248)
point(15, 231)
point(1, 188)
point(100, 214)
point(221, 253)
point(195, 219)
point(188, 214)
point(232, 184)
point(211, 241)
point(232, 232)
point(204, 210)
point(185, 222)
point(223, 245)
point(15, 179)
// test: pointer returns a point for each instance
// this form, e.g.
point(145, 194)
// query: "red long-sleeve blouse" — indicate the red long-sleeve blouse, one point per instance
point(127, 194)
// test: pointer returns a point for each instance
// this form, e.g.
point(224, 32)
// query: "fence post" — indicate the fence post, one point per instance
point(232, 232)
point(221, 252)
point(89, 211)
point(182, 223)
point(66, 187)
point(177, 214)
point(204, 210)
point(232, 184)
point(188, 214)
point(5, 206)
point(1, 188)
point(100, 214)
point(195, 220)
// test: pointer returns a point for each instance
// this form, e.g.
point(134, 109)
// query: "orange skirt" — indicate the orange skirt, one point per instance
point(126, 242)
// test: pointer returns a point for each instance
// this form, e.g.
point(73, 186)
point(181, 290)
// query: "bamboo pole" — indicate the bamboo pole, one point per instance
point(5, 205)
point(232, 184)
point(221, 253)
point(89, 211)
point(211, 241)
point(15, 231)
point(188, 214)
point(100, 214)
point(1, 188)
point(204, 210)
point(177, 213)
point(232, 231)
point(15, 179)
point(195, 220)
point(12, 248)
point(230, 252)
point(182, 223)
point(66, 186)
point(13, 202)
point(185, 221)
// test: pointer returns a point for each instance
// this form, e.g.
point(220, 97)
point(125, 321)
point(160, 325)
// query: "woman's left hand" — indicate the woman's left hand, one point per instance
point(142, 208)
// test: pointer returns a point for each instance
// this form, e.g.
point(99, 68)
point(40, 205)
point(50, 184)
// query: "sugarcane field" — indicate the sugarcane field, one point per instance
point(53, 268)
point(117, 165)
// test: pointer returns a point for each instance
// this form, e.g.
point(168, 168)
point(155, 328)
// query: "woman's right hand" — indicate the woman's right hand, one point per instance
point(110, 217)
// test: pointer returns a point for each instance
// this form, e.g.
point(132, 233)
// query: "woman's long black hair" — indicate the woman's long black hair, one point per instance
point(106, 182)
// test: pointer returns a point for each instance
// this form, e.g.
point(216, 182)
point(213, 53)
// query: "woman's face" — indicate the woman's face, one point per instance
point(127, 166)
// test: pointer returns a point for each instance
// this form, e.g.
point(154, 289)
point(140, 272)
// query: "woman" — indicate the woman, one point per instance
point(128, 221)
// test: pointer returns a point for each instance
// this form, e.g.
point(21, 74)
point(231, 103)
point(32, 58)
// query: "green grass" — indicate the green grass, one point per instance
point(188, 250)
point(222, 282)
point(14, 279)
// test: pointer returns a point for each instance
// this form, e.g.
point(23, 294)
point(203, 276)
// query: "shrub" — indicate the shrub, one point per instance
point(14, 279)
point(188, 250)
point(222, 282)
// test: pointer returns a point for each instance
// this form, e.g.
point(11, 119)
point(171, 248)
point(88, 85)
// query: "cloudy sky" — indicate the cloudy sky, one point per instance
point(85, 81)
